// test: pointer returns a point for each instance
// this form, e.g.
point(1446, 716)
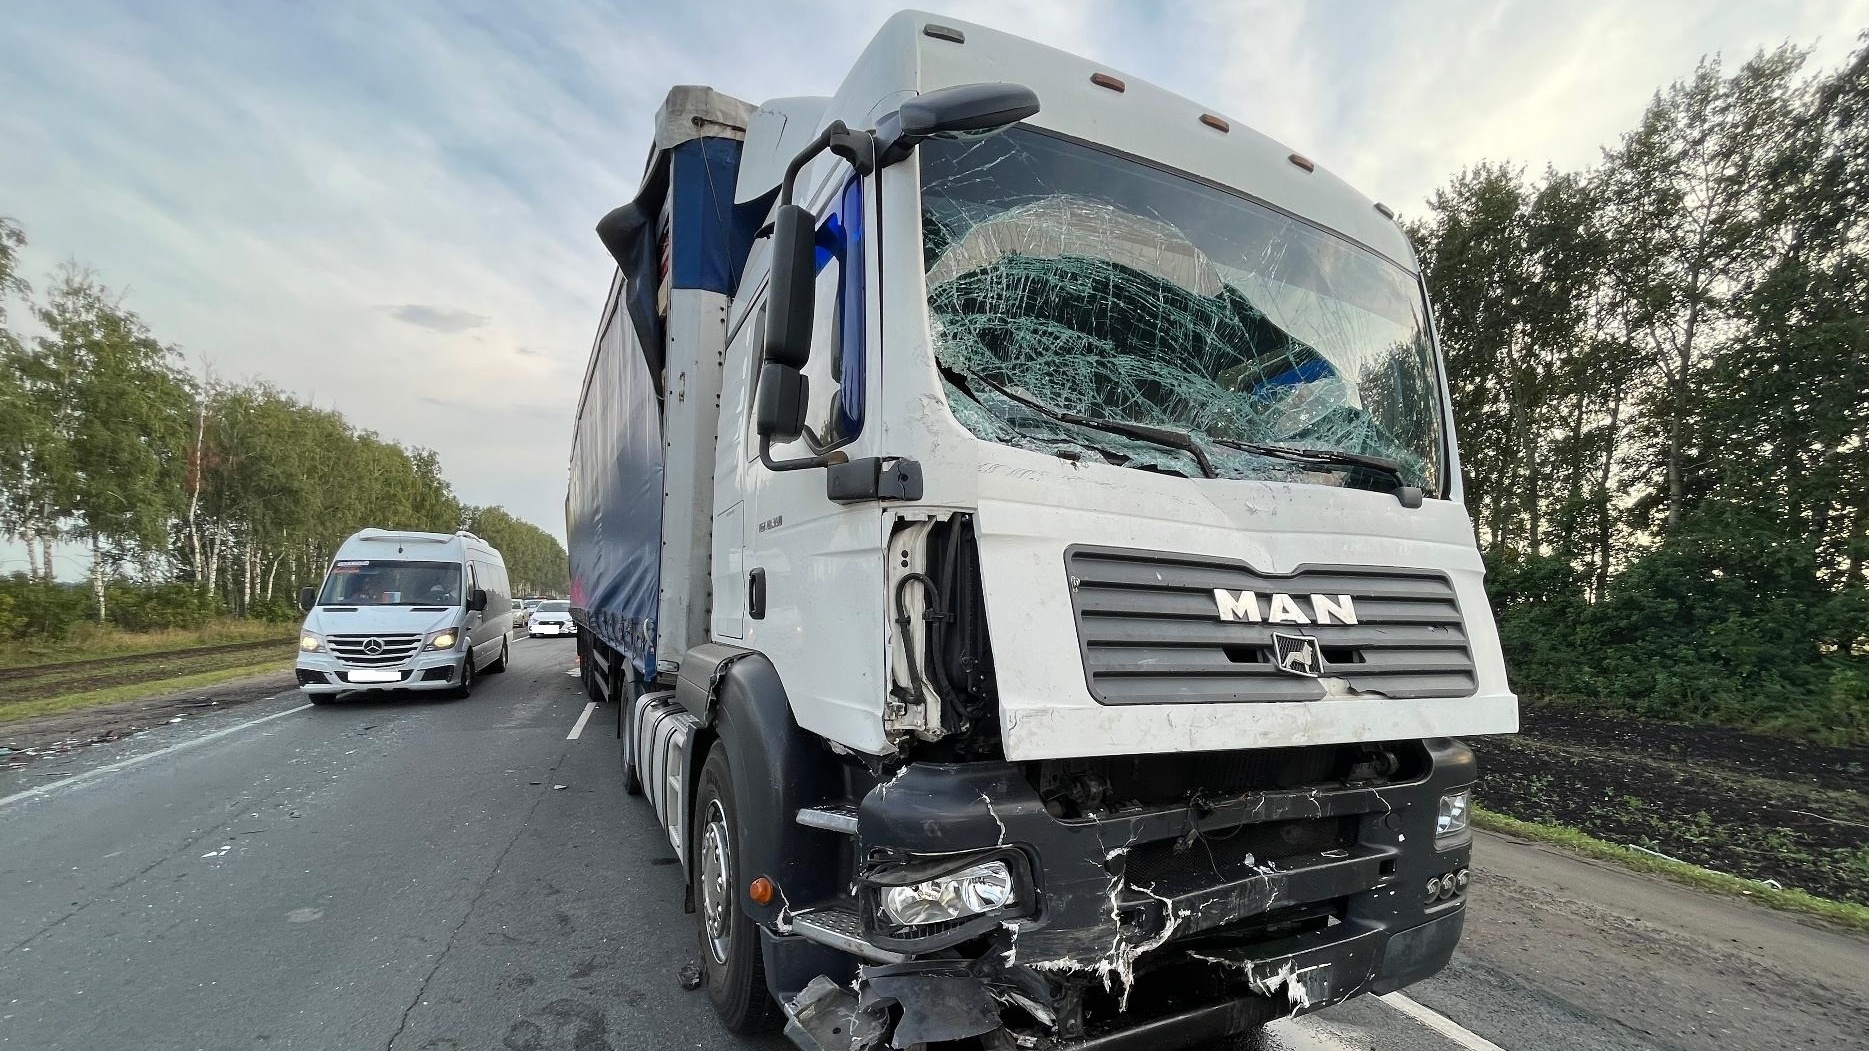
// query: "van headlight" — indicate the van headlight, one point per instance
point(1454, 815)
point(972, 891)
point(309, 643)
point(443, 640)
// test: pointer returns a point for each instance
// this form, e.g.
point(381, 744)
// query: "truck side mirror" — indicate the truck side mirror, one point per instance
point(779, 413)
point(953, 112)
point(477, 601)
point(307, 598)
point(793, 291)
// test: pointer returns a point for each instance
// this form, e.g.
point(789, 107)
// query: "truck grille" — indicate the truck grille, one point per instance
point(1151, 631)
point(373, 651)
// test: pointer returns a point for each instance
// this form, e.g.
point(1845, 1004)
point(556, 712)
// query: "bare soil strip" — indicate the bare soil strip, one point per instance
point(1760, 807)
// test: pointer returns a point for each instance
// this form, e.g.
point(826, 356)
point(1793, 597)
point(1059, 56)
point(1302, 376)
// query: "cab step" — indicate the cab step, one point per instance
point(838, 927)
point(835, 817)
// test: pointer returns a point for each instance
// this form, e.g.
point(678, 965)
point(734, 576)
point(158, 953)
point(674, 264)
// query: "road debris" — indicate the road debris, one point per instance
point(689, 976)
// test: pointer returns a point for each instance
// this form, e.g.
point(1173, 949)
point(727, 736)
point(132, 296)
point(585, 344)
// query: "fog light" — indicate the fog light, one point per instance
point(1452, 819)
point(972, 891)
point(1460, 879)
point(1434, 889)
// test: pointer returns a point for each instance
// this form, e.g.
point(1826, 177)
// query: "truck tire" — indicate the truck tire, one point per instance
point(732, 967)
point(499, 663)
point(626, 741)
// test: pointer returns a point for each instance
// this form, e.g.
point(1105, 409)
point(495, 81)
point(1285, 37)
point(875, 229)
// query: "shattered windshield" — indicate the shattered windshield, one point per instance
point(1068, 285)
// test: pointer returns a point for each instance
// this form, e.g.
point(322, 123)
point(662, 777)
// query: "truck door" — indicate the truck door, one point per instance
point(814, 581)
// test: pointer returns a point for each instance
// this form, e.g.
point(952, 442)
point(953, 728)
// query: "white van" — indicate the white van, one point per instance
point(405, 611)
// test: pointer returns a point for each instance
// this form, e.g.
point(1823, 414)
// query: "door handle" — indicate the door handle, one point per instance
point(756, 594)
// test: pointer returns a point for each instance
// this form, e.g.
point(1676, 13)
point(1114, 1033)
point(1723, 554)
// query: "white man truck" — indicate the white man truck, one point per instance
point(1016, 512)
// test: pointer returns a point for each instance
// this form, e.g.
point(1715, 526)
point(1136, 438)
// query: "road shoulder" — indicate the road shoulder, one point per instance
point(1561, 945)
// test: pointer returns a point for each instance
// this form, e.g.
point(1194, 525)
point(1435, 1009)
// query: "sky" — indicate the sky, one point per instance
point(387, 208)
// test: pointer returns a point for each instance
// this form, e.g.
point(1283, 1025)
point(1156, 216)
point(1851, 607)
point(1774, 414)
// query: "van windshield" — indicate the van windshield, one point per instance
point(379, 582)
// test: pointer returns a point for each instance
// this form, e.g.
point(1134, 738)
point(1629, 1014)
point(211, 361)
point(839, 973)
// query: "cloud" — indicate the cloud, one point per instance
point(436, 319)
point(306, 164)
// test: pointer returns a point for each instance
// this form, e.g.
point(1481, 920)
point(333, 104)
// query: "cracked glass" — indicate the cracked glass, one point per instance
point(1070, 288)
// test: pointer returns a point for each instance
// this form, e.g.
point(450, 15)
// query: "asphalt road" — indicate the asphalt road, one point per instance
point(409, 874)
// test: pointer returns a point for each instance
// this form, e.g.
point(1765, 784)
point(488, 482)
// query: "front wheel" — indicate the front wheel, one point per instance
point(499, 663)
point(731, 964)
point(466, 688)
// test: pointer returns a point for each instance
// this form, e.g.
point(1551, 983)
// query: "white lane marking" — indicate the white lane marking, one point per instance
point(582, 719)
point(1440, 1023)
point(125, 764)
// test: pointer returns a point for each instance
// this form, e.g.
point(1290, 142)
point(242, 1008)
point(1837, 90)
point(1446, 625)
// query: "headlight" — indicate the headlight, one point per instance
point(310, 643)
point(443, 640)
point(1452, 819)
point(969, 892)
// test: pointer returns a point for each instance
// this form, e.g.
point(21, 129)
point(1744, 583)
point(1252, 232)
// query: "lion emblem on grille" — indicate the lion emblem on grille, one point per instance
point(1297, 654)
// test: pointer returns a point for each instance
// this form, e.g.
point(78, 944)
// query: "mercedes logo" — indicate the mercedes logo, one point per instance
point(373, 646)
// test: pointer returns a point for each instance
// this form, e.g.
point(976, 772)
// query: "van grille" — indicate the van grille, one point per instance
point(1151, 631)
point(373, 651)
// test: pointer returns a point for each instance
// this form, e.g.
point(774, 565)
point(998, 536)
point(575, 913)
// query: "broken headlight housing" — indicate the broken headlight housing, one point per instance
point(972, 891)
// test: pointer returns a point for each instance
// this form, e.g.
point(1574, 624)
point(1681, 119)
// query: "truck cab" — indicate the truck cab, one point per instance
point(1021, 528)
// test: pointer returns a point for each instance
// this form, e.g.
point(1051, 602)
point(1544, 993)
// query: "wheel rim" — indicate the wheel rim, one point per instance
point(716, 871)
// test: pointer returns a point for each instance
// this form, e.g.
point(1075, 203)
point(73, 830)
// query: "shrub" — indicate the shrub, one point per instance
point(39, 610)
point(154, 607)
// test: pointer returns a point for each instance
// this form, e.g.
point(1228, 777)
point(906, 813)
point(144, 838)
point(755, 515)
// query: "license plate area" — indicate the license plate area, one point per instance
point(368, 675)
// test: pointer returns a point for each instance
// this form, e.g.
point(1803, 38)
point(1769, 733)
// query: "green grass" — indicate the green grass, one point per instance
point(135, 691)
point(1843, 914)
point(90, 641)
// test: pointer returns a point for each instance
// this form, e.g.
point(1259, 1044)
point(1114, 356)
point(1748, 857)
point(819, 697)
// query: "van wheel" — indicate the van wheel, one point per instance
point(734, 971)
point(466, 688)
point(499, 663)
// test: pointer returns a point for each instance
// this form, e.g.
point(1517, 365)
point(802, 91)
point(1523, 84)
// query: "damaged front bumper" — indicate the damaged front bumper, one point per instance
point(1154, 926)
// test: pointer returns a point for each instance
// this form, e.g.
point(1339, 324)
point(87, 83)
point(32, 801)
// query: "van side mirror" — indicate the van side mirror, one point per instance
point(308, 597)
point(477, 601)
point(953, 112)
point(779, 411)
point(793, 292)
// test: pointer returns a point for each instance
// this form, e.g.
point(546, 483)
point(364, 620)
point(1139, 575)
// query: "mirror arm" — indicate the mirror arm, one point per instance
point(857, 147)
point(803, 463)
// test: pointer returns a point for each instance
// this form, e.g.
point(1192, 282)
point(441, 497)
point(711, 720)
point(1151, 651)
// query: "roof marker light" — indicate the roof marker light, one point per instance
point(1387, 212)
point(947, 33)
point(1216, 123)
point(1104, 80)
point(1303, 162)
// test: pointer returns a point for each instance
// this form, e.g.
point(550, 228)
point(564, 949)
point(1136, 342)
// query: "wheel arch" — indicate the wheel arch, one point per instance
point(776, 769)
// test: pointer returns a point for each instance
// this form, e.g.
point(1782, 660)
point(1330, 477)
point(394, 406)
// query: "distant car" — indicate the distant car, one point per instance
point(519, 615)
point(531, 604)
point(551, 617)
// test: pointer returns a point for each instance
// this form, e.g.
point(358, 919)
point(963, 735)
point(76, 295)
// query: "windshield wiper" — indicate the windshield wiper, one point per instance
point(1161, 436)
point(1407, 492)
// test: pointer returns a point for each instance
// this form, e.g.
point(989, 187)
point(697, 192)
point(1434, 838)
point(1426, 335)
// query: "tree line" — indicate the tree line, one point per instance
point(1660, 367)
point(221, 496)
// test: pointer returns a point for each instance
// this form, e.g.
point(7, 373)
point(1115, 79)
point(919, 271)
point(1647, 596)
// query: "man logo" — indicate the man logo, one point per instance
point(1283, 609)
point(1297, 654)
